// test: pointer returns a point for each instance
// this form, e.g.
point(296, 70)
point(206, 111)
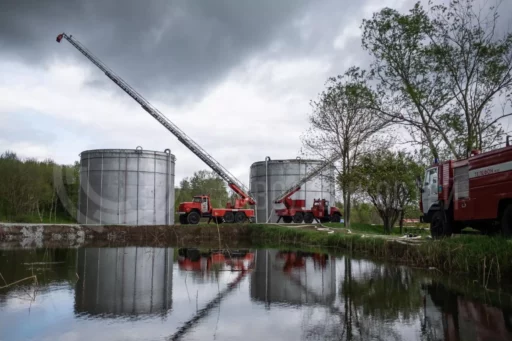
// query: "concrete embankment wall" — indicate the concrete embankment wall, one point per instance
point(61, 235)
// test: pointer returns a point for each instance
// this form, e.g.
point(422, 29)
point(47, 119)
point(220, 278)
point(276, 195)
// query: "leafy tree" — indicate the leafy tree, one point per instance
point(388, 179)
point(342, 123)
point(386, 293)
point(409, 90)
point(30, 191)
point(203, 182)
point(439, 74)
point(477, 64)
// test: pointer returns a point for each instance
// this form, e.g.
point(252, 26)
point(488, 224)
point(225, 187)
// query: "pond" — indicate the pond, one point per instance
point(146, 293)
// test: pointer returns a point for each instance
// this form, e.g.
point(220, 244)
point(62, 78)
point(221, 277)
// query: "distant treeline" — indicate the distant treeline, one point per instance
point(34, 191)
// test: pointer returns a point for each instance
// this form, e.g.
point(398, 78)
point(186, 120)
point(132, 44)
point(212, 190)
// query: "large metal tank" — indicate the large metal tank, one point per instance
point(126, 186)
point(270, 178)
point(124, 281)
point(293, 278)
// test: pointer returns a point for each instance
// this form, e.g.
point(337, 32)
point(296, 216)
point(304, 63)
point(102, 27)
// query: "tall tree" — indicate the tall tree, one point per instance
point(409, 90)
point(342, 123)
point(388, 180)
point(477, 62)
point(439, 74)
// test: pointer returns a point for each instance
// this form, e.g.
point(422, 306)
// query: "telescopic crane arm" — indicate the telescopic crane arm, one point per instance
point(233, 182)
point(310, 175)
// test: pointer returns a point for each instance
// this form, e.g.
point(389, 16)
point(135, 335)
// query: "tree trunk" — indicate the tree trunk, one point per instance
point(55, 212)
point(346, 188)
point(39, 212)
point(346, 209)
point(385, 221)
point(402, 221)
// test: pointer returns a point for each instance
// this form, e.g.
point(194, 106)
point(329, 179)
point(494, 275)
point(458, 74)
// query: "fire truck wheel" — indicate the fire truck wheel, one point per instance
point(336, 217)
point(240, 217)
point(438, 227)
point(308, 218)
point(298, 217)
point(287, 219)
point(193, 218)
point(229, 217)
point(506, 222)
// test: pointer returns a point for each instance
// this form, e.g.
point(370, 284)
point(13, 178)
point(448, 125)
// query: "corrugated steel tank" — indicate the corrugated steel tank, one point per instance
point(126, 186)
point(306, 285)
point(270, 178)
point(124, 281)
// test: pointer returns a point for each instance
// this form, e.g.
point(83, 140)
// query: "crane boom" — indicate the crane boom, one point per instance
point(310, 175)
point(232, 181)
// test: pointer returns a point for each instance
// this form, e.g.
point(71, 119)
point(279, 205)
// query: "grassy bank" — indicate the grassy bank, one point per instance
point(421, 229)
point(485, 257)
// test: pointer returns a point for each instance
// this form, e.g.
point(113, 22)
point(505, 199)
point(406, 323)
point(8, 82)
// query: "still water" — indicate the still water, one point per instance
point(144, 293)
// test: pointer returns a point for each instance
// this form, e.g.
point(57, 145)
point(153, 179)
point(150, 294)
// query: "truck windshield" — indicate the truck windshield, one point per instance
point(430, 175)
point(196, 199)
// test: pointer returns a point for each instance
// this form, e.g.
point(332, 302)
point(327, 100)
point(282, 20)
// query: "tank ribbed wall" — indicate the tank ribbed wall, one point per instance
point(126, 186)
point(268, 179)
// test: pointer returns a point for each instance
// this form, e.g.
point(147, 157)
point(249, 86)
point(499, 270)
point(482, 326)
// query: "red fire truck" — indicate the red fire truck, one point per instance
point(474, 192)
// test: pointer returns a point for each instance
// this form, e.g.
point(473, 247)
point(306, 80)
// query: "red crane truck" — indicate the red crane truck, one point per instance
point(295, 210)
point(473, 192)
point(200, 206)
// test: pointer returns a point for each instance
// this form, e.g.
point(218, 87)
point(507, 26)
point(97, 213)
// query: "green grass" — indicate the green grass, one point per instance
point(379, 229)
point(34, 219)
point(481, 256)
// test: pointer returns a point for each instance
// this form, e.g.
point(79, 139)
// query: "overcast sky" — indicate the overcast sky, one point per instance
point(236, 76)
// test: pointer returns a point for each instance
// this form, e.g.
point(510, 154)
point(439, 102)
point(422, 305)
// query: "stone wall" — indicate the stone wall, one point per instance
point(73, 235)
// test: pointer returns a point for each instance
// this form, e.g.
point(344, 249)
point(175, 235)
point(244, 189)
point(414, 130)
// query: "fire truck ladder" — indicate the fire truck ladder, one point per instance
point(310, 175)
point(235, 184)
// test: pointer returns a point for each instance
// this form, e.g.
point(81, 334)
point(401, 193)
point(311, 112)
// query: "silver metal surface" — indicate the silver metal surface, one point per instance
point(271, 283)
point(124, 281)
point(126, 187)
point(269, 178)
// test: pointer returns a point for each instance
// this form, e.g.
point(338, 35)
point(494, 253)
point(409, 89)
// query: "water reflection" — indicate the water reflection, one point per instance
point(293, 278)
point(205, 266)
point(144, 293)
point(124, 280)
point(450, 317)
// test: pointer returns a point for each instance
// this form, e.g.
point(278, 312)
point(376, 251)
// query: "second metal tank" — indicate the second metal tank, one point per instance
point(270, 178)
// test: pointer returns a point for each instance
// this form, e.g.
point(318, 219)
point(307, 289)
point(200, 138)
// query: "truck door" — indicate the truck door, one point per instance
point(430, 188)
point(204, 205)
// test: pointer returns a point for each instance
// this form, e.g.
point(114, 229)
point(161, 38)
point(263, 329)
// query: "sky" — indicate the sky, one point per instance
point(236, 76)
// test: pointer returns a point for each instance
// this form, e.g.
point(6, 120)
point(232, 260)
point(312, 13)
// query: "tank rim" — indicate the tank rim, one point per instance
point(287, 160)
point(137, 150)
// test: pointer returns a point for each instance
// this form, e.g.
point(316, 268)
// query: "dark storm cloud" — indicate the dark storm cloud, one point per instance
point(182, 46)
point(175, 47)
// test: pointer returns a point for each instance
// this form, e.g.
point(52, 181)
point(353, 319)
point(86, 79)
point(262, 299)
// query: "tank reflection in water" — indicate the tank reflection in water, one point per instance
point(127, 294)
point(124, 280)
point(293, 278)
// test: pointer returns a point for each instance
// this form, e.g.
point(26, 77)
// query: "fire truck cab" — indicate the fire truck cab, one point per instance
point(201, 207)
point(473, 192)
